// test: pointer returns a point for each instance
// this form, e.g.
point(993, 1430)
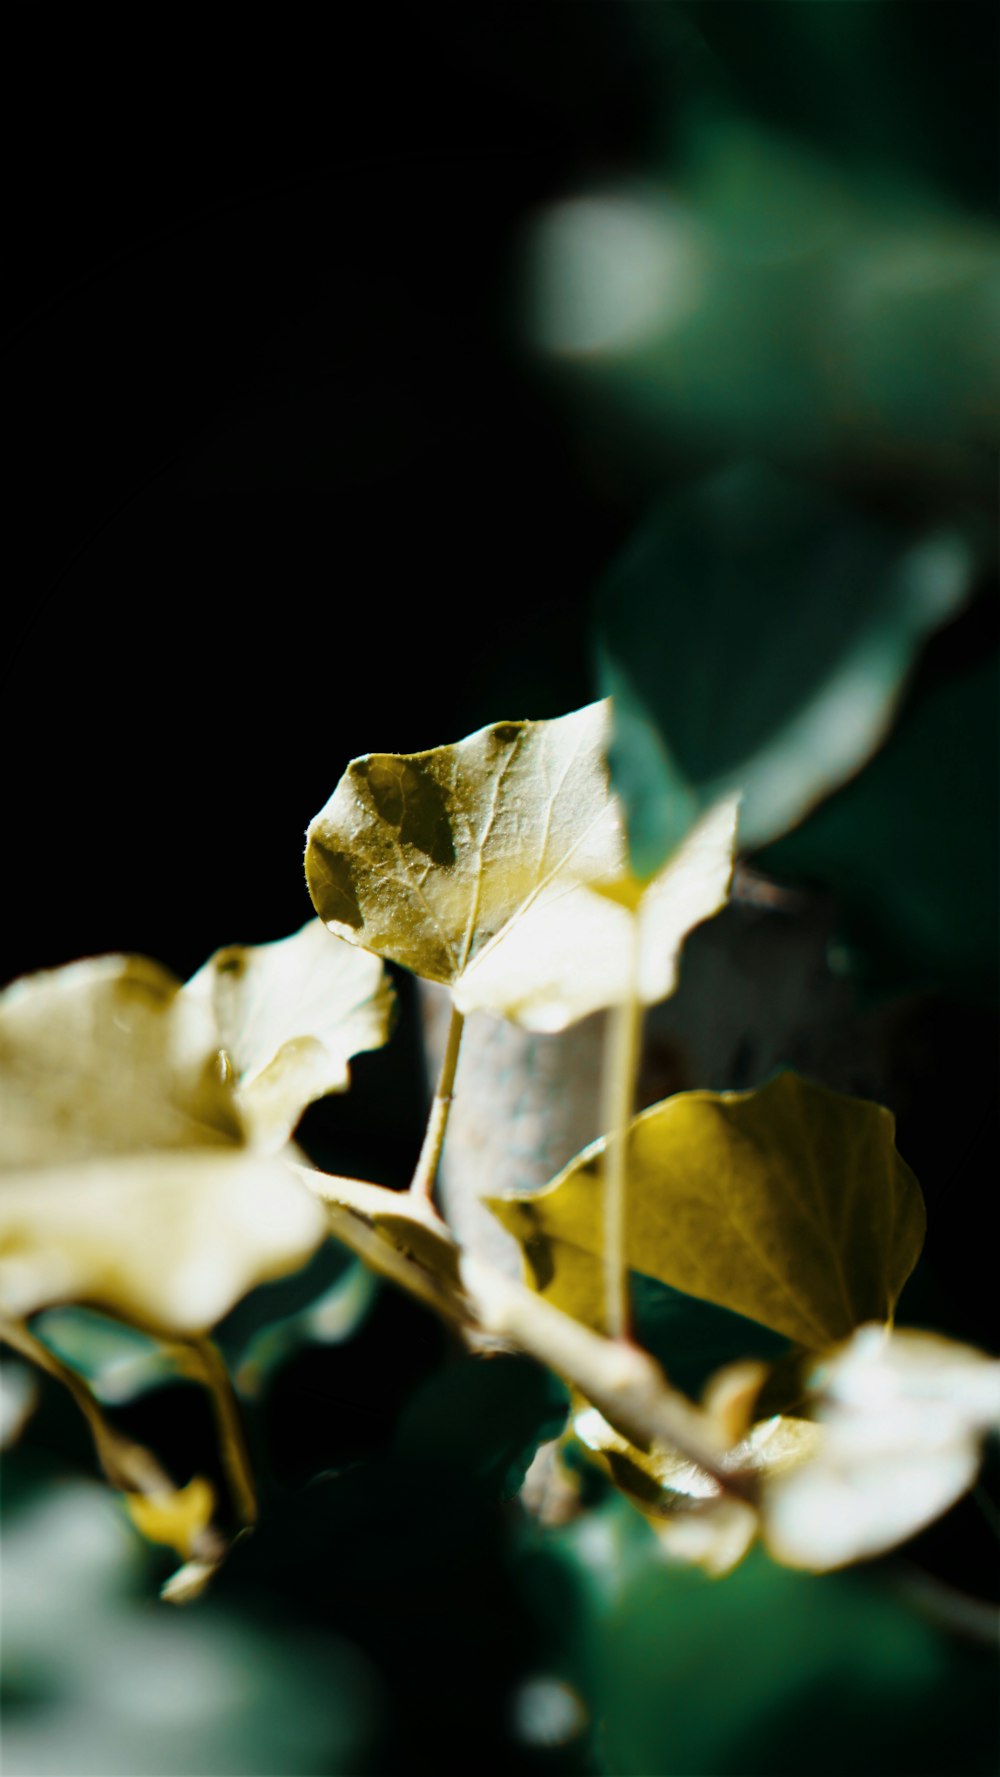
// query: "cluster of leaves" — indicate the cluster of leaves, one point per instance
point(149, 1171)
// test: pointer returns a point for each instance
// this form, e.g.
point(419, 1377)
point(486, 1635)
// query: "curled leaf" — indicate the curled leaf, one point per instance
point(902, 1416)
point(789, 1205)
point(696, 1522)
point(290, 1015)
point(498, 867)
point(125, 1181)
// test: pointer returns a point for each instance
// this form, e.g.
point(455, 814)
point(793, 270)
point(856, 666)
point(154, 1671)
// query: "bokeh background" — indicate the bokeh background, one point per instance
point(348, 354)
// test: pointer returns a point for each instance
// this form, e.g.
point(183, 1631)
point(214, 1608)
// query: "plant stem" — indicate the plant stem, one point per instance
point(621, 1064)
point(202, 1360)
point(422, 1183)
point(129, 1467)
point(624, 1383)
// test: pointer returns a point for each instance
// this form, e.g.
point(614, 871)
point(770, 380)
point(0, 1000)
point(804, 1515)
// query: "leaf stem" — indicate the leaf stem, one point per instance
point(129, 1467)
point(422, 1183)
point(203, 1363)
point(624, 1038)
point(624, 1383)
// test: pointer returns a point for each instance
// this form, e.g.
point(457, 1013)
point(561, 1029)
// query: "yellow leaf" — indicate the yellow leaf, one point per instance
point(789, 1205)
point(498, 866)
point(289, 1016)
point(177, 1518)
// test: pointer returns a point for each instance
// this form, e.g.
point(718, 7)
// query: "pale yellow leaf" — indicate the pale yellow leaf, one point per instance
point(169, 1241)
point(124, 1179)
point(902, 1416)
point(290, 1015)
point(498, 866)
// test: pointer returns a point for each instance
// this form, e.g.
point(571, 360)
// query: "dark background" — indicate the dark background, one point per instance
point(285, 485)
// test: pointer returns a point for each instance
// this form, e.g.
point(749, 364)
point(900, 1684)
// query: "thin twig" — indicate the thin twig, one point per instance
point(624, 1036)
point(203, 1362)
point(129, 1467)
point(422, 1183)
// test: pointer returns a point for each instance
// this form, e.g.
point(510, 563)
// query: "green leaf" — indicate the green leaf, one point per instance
point(911, 848)
point(789, 1205)
point(772, 1672)
point(487, 1415)
point(902, 1420)
point(497, 866)
point(691, 1338)
point(755, 636)
point(125, 1183)
point(289, 1016)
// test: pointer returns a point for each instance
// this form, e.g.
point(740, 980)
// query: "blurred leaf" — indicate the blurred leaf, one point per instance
point(289, 1016)
point(124, 1183)
point(788, 1205)
point(755, 636)
point(694, 1339)
point(108, 1057)
point(487, 1415)
point(770, 1672)
point(117, 1360)
point(754, 297)
point(335, 1315)
point(119, 1686)
point(912, 848)
point(902, 1419)
point(176, 1519)
point(497, 866)
point(18, 1398)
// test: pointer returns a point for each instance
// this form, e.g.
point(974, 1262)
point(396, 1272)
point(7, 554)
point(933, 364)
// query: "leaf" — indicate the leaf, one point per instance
point(788, 1205)
point(911, 847)
point(902, 1419)
point(755, 636)
point(125, 1183)
point(486, 1415)
point(290, 1015)
point(694, 1520)
point(107, 1057)
point(774, 1673)
point(177, 1519)
point(497, 866)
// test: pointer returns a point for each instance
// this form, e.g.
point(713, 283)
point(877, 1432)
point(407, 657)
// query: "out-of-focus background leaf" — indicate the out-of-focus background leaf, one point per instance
point(315, 455)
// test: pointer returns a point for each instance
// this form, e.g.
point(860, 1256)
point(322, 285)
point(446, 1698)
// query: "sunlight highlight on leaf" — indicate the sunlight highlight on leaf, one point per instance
point(290, 1015)
point(498, 866)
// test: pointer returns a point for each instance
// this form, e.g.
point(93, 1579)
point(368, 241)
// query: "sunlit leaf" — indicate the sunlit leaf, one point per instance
point(498, 867)
point(125, 1183)
point(788, 1205)
point(756, 635)
point(290, 1015)
point(177, 1519)
point(902, 1419)
point(107, 1057)
point(695, 1520)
